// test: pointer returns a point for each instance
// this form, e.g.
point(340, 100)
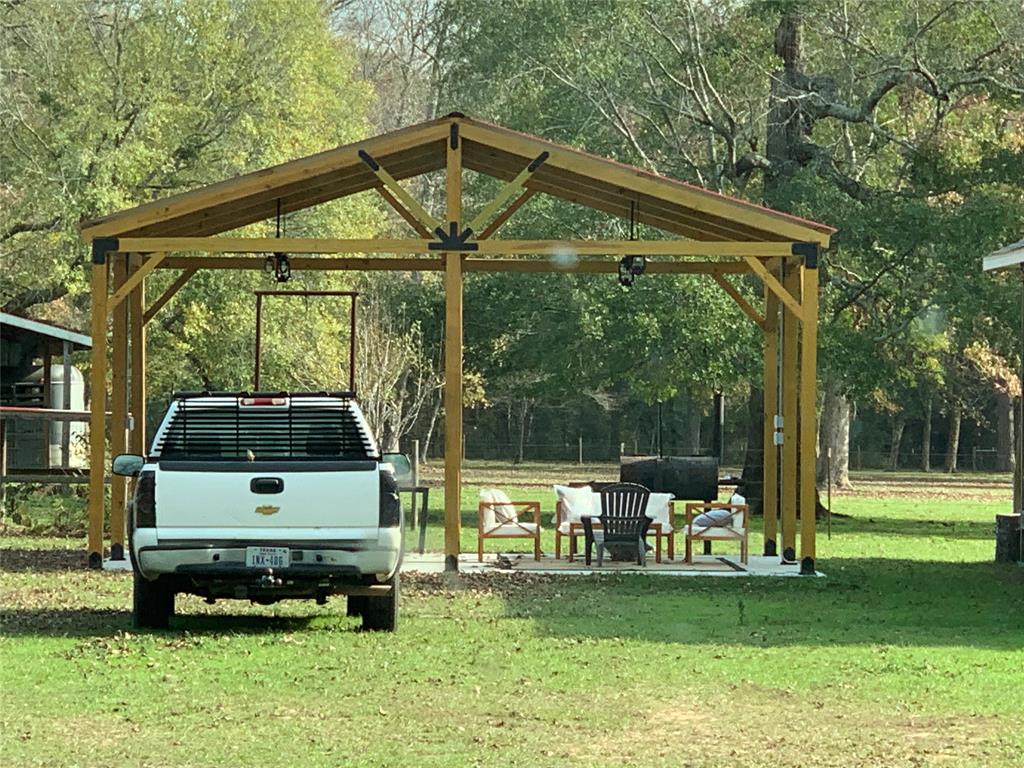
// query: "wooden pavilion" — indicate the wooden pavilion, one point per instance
point(704, 233)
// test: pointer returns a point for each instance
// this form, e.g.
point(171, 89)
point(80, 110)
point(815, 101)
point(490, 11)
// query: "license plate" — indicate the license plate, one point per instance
point(267, 557)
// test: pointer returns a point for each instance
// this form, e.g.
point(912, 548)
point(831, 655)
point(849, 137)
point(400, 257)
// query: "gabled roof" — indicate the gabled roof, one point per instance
point(569, 174)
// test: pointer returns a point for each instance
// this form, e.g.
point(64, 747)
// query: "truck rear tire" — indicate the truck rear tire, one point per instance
point(152, 603)
point(380, 614)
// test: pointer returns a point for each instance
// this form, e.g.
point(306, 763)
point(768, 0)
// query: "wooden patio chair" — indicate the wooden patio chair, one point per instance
point(727, 522)
point(623, 520)
point(499, 519)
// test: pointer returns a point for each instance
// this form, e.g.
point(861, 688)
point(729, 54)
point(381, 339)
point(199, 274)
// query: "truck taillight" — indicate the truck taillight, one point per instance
point(145, 500)
point(390, 504)
point(249, 401)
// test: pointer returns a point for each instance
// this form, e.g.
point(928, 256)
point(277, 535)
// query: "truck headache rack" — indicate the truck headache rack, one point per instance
point(306, 428)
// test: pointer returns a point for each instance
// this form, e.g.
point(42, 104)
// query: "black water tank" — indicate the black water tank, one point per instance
point(687, 478)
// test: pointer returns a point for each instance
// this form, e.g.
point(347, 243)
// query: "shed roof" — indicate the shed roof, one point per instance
point(1009, 256)
point(12, 326)
point(567, 173)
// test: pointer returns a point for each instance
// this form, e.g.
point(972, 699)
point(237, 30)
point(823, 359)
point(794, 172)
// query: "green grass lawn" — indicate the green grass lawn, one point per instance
point(909, 653)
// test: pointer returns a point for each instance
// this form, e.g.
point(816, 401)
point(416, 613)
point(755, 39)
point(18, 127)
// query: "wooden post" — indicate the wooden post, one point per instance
point(3, 466)
point(453, 361)
point(65, 404)
point(137, 308)
point(770, 489)
point(118, 408)
point(808, 415)
point(47, 399)
point(790, 381)
point(97, 411)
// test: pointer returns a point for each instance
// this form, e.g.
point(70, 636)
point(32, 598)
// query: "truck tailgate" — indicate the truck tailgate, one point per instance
point(241, 499)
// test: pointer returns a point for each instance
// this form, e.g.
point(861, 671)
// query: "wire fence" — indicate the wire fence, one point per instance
point(582, 452)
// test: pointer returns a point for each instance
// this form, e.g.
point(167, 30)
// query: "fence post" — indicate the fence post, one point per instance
point(581, 450)
point(974, 459)
point(415, 462)
point(622, 449)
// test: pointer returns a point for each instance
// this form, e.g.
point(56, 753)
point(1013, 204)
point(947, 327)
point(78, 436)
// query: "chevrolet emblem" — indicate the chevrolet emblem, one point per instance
point(267, 509)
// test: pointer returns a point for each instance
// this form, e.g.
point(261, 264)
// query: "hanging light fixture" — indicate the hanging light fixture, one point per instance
point(633, 265)
point(277, 263)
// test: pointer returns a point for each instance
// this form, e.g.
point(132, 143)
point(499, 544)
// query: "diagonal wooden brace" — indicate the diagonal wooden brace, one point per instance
point(740, 299)
point(507, 192)
point(775, 286)
point(396, 189)
point(135, 279)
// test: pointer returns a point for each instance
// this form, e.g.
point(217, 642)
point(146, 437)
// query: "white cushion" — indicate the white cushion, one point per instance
point(505, 512)
point(657, 509)
point(512, 530)
point(487, 511)
point(714, 531)
point(577, 503)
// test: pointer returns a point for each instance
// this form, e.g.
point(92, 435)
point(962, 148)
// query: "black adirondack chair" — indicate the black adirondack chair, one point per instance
point(623, 521)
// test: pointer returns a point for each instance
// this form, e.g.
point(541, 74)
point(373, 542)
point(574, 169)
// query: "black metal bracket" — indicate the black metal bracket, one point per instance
point(538, 161)
point(453, 240)
point(809, 252)
point(453, 135)
point(770, 549)
point(368, 159)
point(807, 567)
point(789, 556)
point(101, 246)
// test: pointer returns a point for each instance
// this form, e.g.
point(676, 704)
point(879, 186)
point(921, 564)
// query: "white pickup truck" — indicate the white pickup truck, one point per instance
point(264, 497)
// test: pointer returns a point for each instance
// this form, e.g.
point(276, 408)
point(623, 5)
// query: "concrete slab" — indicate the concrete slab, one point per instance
point(703, 565)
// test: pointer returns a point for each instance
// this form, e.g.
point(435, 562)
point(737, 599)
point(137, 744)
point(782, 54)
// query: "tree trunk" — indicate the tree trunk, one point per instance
point(521, 450)
point(898, 423)
point(430, 429)
point(693, 421)
point(1004, 432)
point(786, 131)
point(834, 439)
point(956, 412)
point(926, 436)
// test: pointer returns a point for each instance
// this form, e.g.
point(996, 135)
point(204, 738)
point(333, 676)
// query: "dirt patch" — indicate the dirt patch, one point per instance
point(42, 560)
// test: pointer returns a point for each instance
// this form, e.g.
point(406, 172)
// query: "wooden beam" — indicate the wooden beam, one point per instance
point(808, 419)
point(404, 212)
point(436, 264)
point(299, 263)
point(263, 180)
point(770, 489)
point(505, 215)
point(777, 288)
point(137, 358)
point(740, 300)
point(506, 193)
point(453, 363)
point(723, 248)
point(97, 419)
point(411, 203)
point(129, 285)
point(309, 245)
point(176, 286)
point(790, 382)
point(629, 178)
point(118, 406)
